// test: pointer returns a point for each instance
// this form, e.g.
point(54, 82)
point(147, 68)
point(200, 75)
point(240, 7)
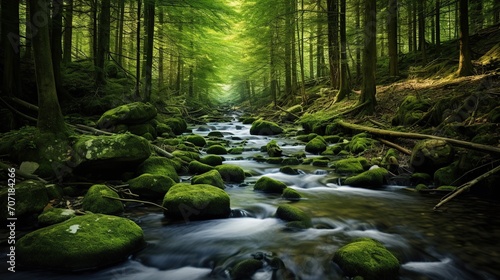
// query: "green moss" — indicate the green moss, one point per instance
point(307, 137)
point(367, 258)
point(94, 201)
point(83, 242)
point(274, 160)
point(196, 167)
point(430, 155)
point(291, 161)
point(150, 185)
point(216, 150)
point(178, 125)
point(332, 150)
point(216, 134)
point(245, 269)
point(333, 139)
point(316, 145)
point(133, 113)
point(372, 178)
point(231, 173)
point(289, 170)
point(269, 185)
point(211, 177)
point(54, 191)
point(291, 213)
point(419, 178)
point(359, 143)
point(447, 188)
point(447, 175)
point(320, 162)
point(212, 160)
point(262, 127)
point(159, 166)
point(350, 165)
point(248, 120)
point(195, 202)
point(421, 187)
point(311, 121)
point(186, 155)
point(164, 130)
point(197, 140)
point(55, 215)
point(291, 194)
point(141, 129)
point(410, 111)
point(236, 151)
point(273, 150)
point(30, 197)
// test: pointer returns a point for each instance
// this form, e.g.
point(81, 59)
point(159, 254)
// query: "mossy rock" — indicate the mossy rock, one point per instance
point(430, 155)
point(448, 175)
point(187, 156)
point(262, 127)
point(216, 150)
point(54, 191)
point(420, 178)
point(291, 194)
point(273, 150)
point(110, 152)
point(216, 134)
point(150, 185)
point(95, 202)
point(333, 139)
point(291, 161)
point(159, 166)
point(274, 160)
point(196, 202)
point(390, 160)
point(211, 177)
point(307, 137)
point(164, 130)
point(350, 165)
point(248, 120)
point(291, 113)
point(332, 150)
point(236, 151)
point(359, 143)
point(411, 110)
point(316, 145)
point(231, 173)
point(421, 187)
point(367, 258)
point(196, 167)
point(293, 215)
point(289, 170)
point(197, 140)
point(54, 216)
point(133, 113)
point(321, 162)
point(269, 185)
point(142, 129)
point(212, 160)
point(80, 243)
point(30, 197)
point(245, 269)
point(372, 178)
point(178, 125)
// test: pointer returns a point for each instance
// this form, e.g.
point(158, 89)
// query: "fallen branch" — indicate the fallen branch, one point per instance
point(395, 146)
point(135, 200)
point(466, 186)
point(390, 133)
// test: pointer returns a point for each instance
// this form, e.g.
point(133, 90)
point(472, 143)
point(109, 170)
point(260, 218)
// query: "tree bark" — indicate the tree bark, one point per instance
point(392, 36)
point(119, 43)
point(465, 67)
point(320, 51)
point(150, 6)
point(56, 45)
point(103, 40)
point(368, 89)
point(10, 39)
point(421, 30)
point(68, 32)
point(289, 33)
point(438, 26)
point(333, 42)
point(345, 86)
point(138, 52)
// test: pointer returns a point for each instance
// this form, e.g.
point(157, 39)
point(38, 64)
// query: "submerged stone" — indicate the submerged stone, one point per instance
point(269, 185)
point(80, 243)
point(196, 202)
point(245, 269)
point(372, 178)
point(133, 113)
point(296, 217)
point(262, 127)
point(367, 258)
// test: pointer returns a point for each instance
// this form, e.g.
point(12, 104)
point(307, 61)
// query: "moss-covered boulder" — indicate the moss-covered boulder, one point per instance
point(320, 162)
point(248, 119)
point(216, 150)
point(30, 197)
point(80, 243)
point(159, 166)
point(231, 173)
point(269, 185)
point(372, 178)
point(245, 269)
point(291, 161)
point(262, 127)
point(186, 156)
point(212, 160)
point(289, 170)
point(96, 202)
point(296, 217)
point(196, 202)
point(274, 160)
point(291, 113)
point(55, 215)
point(273, 150)
point(197, 140)
point(211, 177)
point(196, 167)
point(133, 113)
point(216, 134)
point(367, 258)
point(152, 186)
point(116, 152)
point(359, 143)
point(143, 129)
point(411, 110)
point(178, 125)
point(430, 155)
point(350, 165)
point(316, 145)
point(291, 194)
point(448, 175)
point(236, 151)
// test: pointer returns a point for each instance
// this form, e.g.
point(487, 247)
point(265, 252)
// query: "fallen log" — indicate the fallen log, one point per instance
point(390, 133)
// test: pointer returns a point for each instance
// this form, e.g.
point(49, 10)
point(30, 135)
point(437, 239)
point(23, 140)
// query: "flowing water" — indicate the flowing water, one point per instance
point(459, 242)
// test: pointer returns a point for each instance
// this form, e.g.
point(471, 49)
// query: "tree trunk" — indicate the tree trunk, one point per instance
point(358, 39)
point(438, 26)
point(119, 39)
point(300, 39)
point(150, 6)
point(27, 47)
point(368, 89)
point(345, 86)
point(421, 30)
point(392, 36)
point(476, 15)
point(465, 67)
point(409, 11)
point(161, 52)
point(333, 42)
point(138, 52)
point(320, 51)
point(56, 47)
point(496, 11)
point(11, 81)
point(50, 119)
point(68, 32)
point(103, 41)
point(289, 33)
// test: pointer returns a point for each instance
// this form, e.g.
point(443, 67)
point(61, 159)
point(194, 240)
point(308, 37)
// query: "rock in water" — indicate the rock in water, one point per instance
point(133, 113)
point(80, 243)
point(262, 127)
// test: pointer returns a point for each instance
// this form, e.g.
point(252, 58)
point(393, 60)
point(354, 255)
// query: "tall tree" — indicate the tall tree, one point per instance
point(333, 41)
point(438, 26)
point(50, 118)
point(68, 31)
point(320, 51)
point(368, 88)
point(138, 51)
point(496, 11)
point(119, 37)
point(392, 36)
point(103, 40)
point(55, 44)
point(345, 86)
point(11, 82)
point(150, 27)
point(465, 67)
point(421, 29)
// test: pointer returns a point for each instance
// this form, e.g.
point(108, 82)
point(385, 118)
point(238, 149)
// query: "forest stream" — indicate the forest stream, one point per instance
point(457, 242)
